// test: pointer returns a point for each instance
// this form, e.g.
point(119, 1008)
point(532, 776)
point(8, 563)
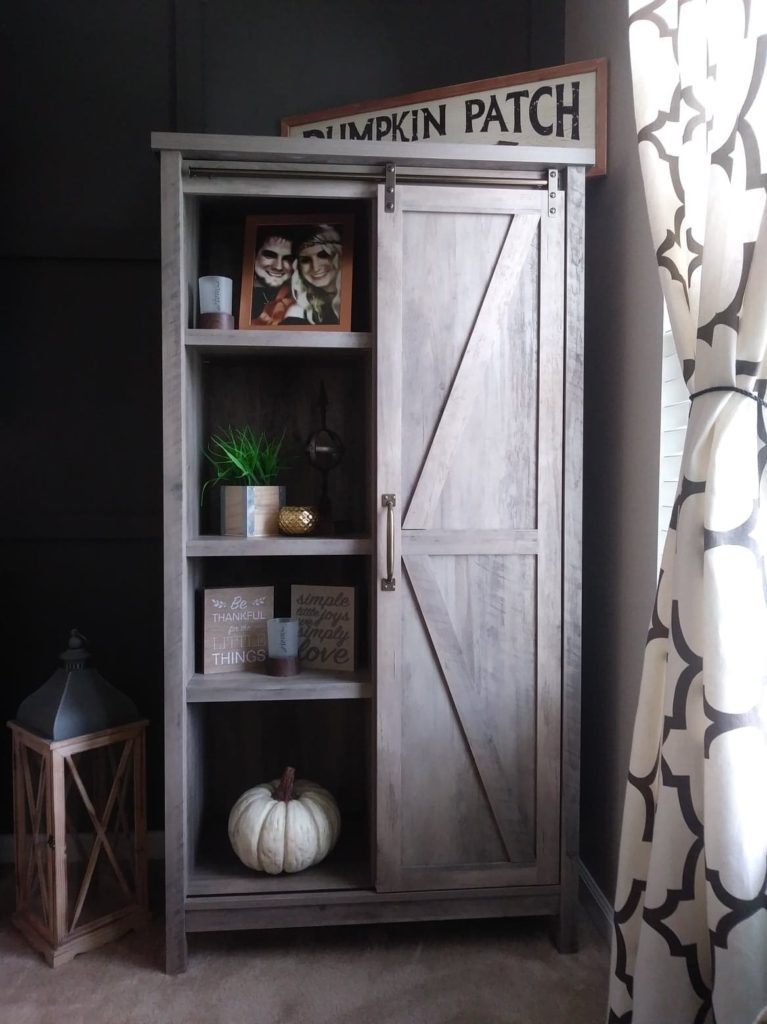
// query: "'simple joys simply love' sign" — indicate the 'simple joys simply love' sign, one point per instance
point(325, 626)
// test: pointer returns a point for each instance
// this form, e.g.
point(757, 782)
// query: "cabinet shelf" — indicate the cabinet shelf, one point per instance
point(253, 547)
point(217, 871)
point(235, 879)
point(309, 685)
point(212, 342)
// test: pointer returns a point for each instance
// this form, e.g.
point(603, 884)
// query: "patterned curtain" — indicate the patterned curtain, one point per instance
point(690, 940)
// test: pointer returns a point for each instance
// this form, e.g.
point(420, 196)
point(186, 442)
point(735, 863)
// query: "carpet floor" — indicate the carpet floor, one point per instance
point(477, 972)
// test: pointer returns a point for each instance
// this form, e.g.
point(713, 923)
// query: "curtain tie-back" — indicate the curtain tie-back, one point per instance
point(730, 387)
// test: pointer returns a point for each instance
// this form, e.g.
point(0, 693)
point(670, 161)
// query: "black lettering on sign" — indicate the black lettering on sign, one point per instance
point(397, 133)
point(541, 129)
point(383, 126)
point(516, 98)
point(572, 110)
point(474, 109)
point(355, 133)
point(494, 116)
point(430, 121)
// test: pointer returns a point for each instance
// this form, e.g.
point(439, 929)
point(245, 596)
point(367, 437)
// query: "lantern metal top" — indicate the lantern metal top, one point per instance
point(76, 700)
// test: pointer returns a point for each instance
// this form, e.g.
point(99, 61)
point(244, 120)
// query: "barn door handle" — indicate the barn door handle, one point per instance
point(388, 501)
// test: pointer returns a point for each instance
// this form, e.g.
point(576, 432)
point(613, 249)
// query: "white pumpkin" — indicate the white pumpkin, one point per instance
point(285, 825)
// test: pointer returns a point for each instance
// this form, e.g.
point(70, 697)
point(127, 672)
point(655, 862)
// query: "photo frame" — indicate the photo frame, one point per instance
point(297, 272)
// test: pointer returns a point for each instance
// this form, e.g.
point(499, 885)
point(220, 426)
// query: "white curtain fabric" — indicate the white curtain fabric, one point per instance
point(690, 940)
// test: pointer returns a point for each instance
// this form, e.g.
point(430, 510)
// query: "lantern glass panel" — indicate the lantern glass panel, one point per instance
point(101, 872)
point(33, 850)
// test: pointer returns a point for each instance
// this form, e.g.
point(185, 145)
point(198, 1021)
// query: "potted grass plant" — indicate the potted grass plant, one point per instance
point(246, 466)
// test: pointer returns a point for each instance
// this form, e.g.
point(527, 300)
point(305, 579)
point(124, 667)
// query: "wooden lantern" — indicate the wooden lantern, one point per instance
point(79, 819)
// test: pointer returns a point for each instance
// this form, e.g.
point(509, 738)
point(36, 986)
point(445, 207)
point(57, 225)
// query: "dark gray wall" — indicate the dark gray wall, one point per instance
point(622, 372)
point(264, 62)
point(80, 524)
point(80, 414)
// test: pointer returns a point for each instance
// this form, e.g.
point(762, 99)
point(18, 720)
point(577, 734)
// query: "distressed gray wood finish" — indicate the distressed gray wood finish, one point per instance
point(388, 645)
point(455, 782)
point(334, 909)
point(333, 152)
point(475, 707)
point(211, 342)
point(252, 686)
point(177, 666)
point(566, 935)
point(253, 547)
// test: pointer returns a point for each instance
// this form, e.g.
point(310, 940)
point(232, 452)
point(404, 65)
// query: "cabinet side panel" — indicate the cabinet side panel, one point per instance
point(572, 556)
point(550, 428)
point(173, 319)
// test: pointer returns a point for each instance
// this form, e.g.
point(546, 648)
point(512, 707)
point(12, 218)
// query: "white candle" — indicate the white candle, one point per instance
point(216, 294)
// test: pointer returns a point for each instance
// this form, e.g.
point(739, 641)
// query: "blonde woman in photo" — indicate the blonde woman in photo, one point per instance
point(316, 281)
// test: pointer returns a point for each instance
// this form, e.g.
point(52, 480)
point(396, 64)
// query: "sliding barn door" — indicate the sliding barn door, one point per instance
point(469, 443)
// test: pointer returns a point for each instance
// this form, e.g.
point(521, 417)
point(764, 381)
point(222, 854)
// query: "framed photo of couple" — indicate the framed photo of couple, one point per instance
point(297, 272)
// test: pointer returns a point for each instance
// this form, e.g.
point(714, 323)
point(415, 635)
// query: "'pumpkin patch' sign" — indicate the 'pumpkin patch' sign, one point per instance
point(325, 626)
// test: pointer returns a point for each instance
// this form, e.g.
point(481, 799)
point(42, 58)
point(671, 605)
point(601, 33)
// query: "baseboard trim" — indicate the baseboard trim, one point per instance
point(596, 903)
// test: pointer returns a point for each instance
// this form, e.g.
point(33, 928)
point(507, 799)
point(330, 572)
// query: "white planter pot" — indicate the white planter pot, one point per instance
point(251, 511)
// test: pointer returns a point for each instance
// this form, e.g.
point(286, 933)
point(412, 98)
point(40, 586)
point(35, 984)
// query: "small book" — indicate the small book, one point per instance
point(234, 628)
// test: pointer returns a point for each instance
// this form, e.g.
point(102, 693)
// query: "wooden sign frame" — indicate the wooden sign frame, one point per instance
point(499, 110)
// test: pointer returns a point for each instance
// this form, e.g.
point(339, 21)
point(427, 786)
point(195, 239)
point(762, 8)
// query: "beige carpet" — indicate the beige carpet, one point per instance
point(480, 972)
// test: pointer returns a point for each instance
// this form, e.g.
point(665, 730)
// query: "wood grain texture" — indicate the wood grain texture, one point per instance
point(278, 188)
point(175, 304)
point(478, 715)
point(470, 542)
point(59, 896)
point(386, 607)
point(328, 151)
point(481, 201)
point(211, 342)
point(549, 516)
point(334, 911)
point(254, 547)
point(306, 686)
point(477, 805)
point(465, 392)
point(572, 557)
point(490, 485)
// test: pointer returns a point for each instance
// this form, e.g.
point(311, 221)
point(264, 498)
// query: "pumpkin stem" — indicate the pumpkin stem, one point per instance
point(284, 790)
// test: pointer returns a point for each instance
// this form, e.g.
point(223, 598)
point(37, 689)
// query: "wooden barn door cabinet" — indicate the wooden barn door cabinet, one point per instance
point(452, 748)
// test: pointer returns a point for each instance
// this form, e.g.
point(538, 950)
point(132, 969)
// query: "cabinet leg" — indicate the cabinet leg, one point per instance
point(565, 931)
point(175, 950)
point(566, 922)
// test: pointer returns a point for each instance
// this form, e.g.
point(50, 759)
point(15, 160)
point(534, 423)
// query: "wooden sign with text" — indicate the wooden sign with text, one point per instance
point(325, 626)
point(563, 106)
point(234, 628)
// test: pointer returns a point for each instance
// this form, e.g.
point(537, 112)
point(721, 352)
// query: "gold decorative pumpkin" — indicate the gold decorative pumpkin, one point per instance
point(298, 519)
point(286, 825)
